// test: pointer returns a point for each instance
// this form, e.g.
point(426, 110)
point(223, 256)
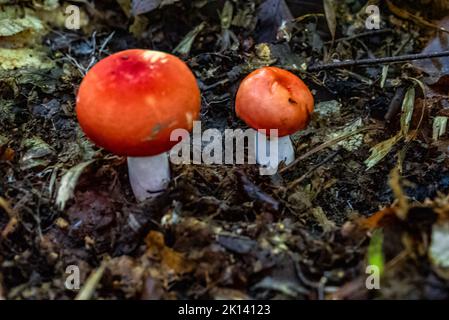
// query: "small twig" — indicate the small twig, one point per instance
point(366, 62)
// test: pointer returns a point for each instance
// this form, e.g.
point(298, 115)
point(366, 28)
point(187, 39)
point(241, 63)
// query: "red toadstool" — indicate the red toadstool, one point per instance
point(272, 98)
point(130, 102)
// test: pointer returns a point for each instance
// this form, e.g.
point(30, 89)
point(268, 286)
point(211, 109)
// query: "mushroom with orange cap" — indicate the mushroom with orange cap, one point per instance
point(130, 102)
point(272, 98)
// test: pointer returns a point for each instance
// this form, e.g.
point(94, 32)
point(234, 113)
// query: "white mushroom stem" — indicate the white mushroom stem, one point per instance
point(149, 176)
point(270, 152)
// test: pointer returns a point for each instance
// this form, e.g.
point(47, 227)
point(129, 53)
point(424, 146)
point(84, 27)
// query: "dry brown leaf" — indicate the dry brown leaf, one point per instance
point(168, 257)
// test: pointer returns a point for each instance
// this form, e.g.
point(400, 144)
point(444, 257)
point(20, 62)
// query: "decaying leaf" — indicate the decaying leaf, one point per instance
point(436, 68)
point(139, 26)
point(326, 111)
point(126, 6)
point(10, 27)
point(68, 183)
point(36, 155)
point(331, 16)
point(24, 58)
point(88, 290)
point(375, 220)
point(144, 6)
point(242, 245)
point(184, 47)
point(380, 151)
point(254, 193)
point(227, 39)
point(19, 27)
point(284, 286)
point(4, 204)
point(354, 142)
point(324, 222)
point(408, 107)
point(244, 18)
point(402, 207)
point(439, 127)
point(403, 13)
point(3, 142)
point(263, 56)
point(385, 70)
point(439, 248)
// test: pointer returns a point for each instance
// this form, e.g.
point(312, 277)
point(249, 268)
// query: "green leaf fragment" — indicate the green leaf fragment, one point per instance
point(375, 251)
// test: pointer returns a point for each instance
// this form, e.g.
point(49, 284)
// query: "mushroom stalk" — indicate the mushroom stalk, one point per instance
point(270, 152)
point(149, 176)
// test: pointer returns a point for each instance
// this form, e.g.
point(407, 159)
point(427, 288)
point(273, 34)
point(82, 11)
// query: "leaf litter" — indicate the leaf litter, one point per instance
point(221, 231)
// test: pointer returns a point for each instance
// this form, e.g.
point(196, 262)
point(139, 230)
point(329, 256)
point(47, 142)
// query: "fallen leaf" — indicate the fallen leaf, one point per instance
point(375, 220)
point(169, 258)
point(381, 150)
point(88, 290)
point(184, 47)
point(68, 183)
point(144, 6)
point(36, 154)
point(237, 244)
point(437, 69)
point(324, 222)
point(408, 106)
point(439, 127)
point(256, 194)
point(402, 207)
point(271, 15)
point(352, 143)
point(24, 58)
point(406, 15)
point(331, 17)
point(126, 274)
point(10, 27)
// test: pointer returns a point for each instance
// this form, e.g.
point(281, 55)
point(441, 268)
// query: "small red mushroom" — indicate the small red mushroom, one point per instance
point(130, 102)
point(272, 98)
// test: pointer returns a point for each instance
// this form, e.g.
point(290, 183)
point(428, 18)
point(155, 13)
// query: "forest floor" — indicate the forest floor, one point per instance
point(369, 188)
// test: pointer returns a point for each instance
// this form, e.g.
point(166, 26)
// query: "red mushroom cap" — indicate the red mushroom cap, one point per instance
point(130, 102)
point(273, 98)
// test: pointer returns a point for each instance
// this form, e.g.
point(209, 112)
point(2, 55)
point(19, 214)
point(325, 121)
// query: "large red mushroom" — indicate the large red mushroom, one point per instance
point(130, 102)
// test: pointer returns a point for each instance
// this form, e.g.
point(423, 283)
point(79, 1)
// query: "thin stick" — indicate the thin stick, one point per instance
point(366, 62)
point(308, 173)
